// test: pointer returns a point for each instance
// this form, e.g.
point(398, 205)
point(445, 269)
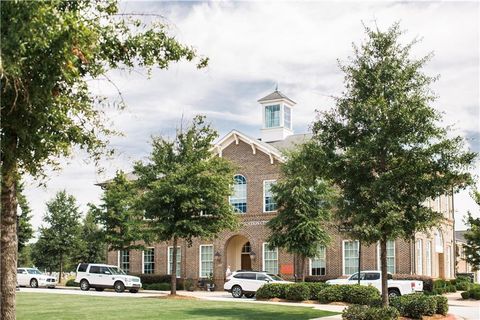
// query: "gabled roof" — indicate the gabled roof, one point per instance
point(236, 136)
point(291, 142)
point(276, 95)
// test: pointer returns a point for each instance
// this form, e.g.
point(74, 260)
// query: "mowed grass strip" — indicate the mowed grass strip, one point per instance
point(47, 306)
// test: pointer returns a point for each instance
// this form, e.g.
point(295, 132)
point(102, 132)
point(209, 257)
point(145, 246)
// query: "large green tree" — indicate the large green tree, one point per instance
point(304, 210)
point(50, 50)
point(91, 246)
point(472, 237)
point(383, 147)
point(60, 238)
point(25, 228)
point(185, 189)
point(119, 214)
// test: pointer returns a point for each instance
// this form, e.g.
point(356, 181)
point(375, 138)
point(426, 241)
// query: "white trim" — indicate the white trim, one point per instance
point(264, 208)
point(143, 259)
point(419, 260)
point(118, 259)
point(428, 258)
point(343, 256)
point(310, 261)
point(263, 256)
point(168, 260)
point(200, 258)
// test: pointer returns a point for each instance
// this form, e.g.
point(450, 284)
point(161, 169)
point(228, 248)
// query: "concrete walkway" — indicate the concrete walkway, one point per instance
point(463, 309)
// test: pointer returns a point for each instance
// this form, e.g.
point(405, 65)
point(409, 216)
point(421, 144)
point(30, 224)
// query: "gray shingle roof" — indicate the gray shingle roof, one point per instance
point(276, 95)
point(460, 236)
point(291, 142)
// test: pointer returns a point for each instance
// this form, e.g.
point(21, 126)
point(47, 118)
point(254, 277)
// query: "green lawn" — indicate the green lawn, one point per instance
point(38, 306)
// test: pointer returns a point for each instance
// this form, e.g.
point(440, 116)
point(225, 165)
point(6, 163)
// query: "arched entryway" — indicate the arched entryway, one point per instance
point(238, 249)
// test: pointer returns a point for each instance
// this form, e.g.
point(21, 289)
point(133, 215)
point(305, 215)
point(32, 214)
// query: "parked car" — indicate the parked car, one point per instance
point(248, 282)
point(32, 277)
point(102, 276)
point(373, 278)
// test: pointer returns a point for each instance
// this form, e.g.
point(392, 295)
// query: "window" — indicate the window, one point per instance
point(269, 203)
point(149, 261)
point(170, 261)
point(206, 260)
point(372, 276)
point(287, 117)
point(94, 269)
point(270, 259)
point(82, 267)
point(246, 248)
point(239, 198)
point(449, 262)
point(438, 241)
point(272, 116)
point(390, 256)
point(249, 276)
point(317, 263)
point(439, 204)
point(428, 258)
point(350, 257)
point(419, 249)
point(124, 260)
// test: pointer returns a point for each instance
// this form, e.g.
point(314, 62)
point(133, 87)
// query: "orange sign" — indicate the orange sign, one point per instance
point(286, 269)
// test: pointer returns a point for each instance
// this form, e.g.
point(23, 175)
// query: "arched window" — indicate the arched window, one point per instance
point(239, 197)
point(438, 241)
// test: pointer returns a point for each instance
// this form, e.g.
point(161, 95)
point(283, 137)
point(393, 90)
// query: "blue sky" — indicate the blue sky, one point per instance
point(252, 46)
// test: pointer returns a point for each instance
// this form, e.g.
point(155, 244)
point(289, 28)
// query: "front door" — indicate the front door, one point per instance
point(246, 262)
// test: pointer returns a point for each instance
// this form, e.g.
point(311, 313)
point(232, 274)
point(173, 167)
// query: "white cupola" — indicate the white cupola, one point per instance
point(276, 116)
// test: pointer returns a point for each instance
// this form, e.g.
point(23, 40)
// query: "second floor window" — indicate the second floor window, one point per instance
point(269, 203)
point(239, 197)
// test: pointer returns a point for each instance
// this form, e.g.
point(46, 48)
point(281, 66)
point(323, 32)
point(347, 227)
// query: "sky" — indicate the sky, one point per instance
point(254, 46)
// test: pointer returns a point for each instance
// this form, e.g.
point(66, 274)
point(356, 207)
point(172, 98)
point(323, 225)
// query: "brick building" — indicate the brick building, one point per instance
point(258, 167)
point(462, 266)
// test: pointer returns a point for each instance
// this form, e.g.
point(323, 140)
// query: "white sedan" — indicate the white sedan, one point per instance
point(32, 277)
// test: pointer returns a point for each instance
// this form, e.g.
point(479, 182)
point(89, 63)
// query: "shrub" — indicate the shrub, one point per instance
point(272, 290)
point(319, 278)
point(157, 286)
point(465, 295)
point(359, 312)
point(462, 285)
point(451, 288)
point(297, 292)
point(427, 281)
point(415, 305)
point(442, 304)
point(315, 289)
point(331, 294)
point(439, 284)
point(72, 283)
point(189, 284)
point(474, 292)
point(358, 294)
point(155, 278)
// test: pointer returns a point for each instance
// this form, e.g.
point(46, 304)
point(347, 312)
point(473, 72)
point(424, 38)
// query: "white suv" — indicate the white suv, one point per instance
point(101, 276)
point(248, 282)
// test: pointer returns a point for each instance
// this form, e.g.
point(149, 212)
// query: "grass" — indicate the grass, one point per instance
point(38, 306)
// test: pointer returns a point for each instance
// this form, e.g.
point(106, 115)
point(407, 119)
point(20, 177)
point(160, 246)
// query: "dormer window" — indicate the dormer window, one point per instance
point(272, 116)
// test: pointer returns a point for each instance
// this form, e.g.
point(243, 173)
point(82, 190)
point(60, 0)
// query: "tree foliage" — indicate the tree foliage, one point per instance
point(186, 188)
point(119, 214)
point(472, 237)
point(91, 245)
point(305, 205)
point(383, 147)
point(25, 228)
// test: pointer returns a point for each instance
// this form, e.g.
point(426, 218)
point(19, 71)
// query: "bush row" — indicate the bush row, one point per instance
point(359, 312)
point(161, 286)
point(417, 305)
point(472, 293)
point(427, 281)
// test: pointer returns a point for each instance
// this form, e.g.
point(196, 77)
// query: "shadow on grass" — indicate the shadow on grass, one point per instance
point(257, 314)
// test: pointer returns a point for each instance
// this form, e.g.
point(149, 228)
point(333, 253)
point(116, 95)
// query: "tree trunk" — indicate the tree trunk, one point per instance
point(8, 239)
point(295, 267)
point(383, 264)
point(302, 266)
point(173, 283)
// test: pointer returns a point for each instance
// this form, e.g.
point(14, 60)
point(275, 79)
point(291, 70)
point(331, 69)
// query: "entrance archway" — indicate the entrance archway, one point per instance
point(238, 250)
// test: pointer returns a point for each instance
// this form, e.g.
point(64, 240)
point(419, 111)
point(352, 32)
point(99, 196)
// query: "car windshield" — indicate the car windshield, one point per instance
point(115, 270)
point(275, 277)
point(33, 271)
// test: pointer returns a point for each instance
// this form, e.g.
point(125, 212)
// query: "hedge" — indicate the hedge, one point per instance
point(297, 292)
point(427, 281)
point(472, 293)
point(442, 304)
point(272, 290)
point(355, 294)
point(416, 305)
point(319, 278)
point(161, 286)
point(156, 278)
point(315, 289)
point(359, 312)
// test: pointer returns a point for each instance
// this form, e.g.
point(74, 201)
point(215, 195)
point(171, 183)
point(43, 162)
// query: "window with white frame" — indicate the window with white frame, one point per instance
point(438, 241)
point(318, 263)
point(439, 204)
point(287, 117)
point(419, 254)
point(149, 261)
point(239, 197)
point(449, 262)
point(428, 258)
point(272, 116)
point(170, 261)
point(350, 257)
point(206, 260)
point(269, 203)
point(270, 259)
point(124, 260)
point(390, 256)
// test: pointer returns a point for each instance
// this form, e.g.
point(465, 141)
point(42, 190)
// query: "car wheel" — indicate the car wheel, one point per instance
point(99, 289)
point(133, 290)
point(34, 283)
point(84, 285)
point(249, 295)
point(392, 293)
point(119, 287)
point(237, 292)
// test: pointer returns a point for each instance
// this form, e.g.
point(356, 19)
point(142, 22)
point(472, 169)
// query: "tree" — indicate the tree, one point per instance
point(185, 188)
point(383, 148)
point(25, 229)
point(472, 237)
point(119, 215)
point(91, 247)
point(46, 105)
point(60, 238)
point(305, 204)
